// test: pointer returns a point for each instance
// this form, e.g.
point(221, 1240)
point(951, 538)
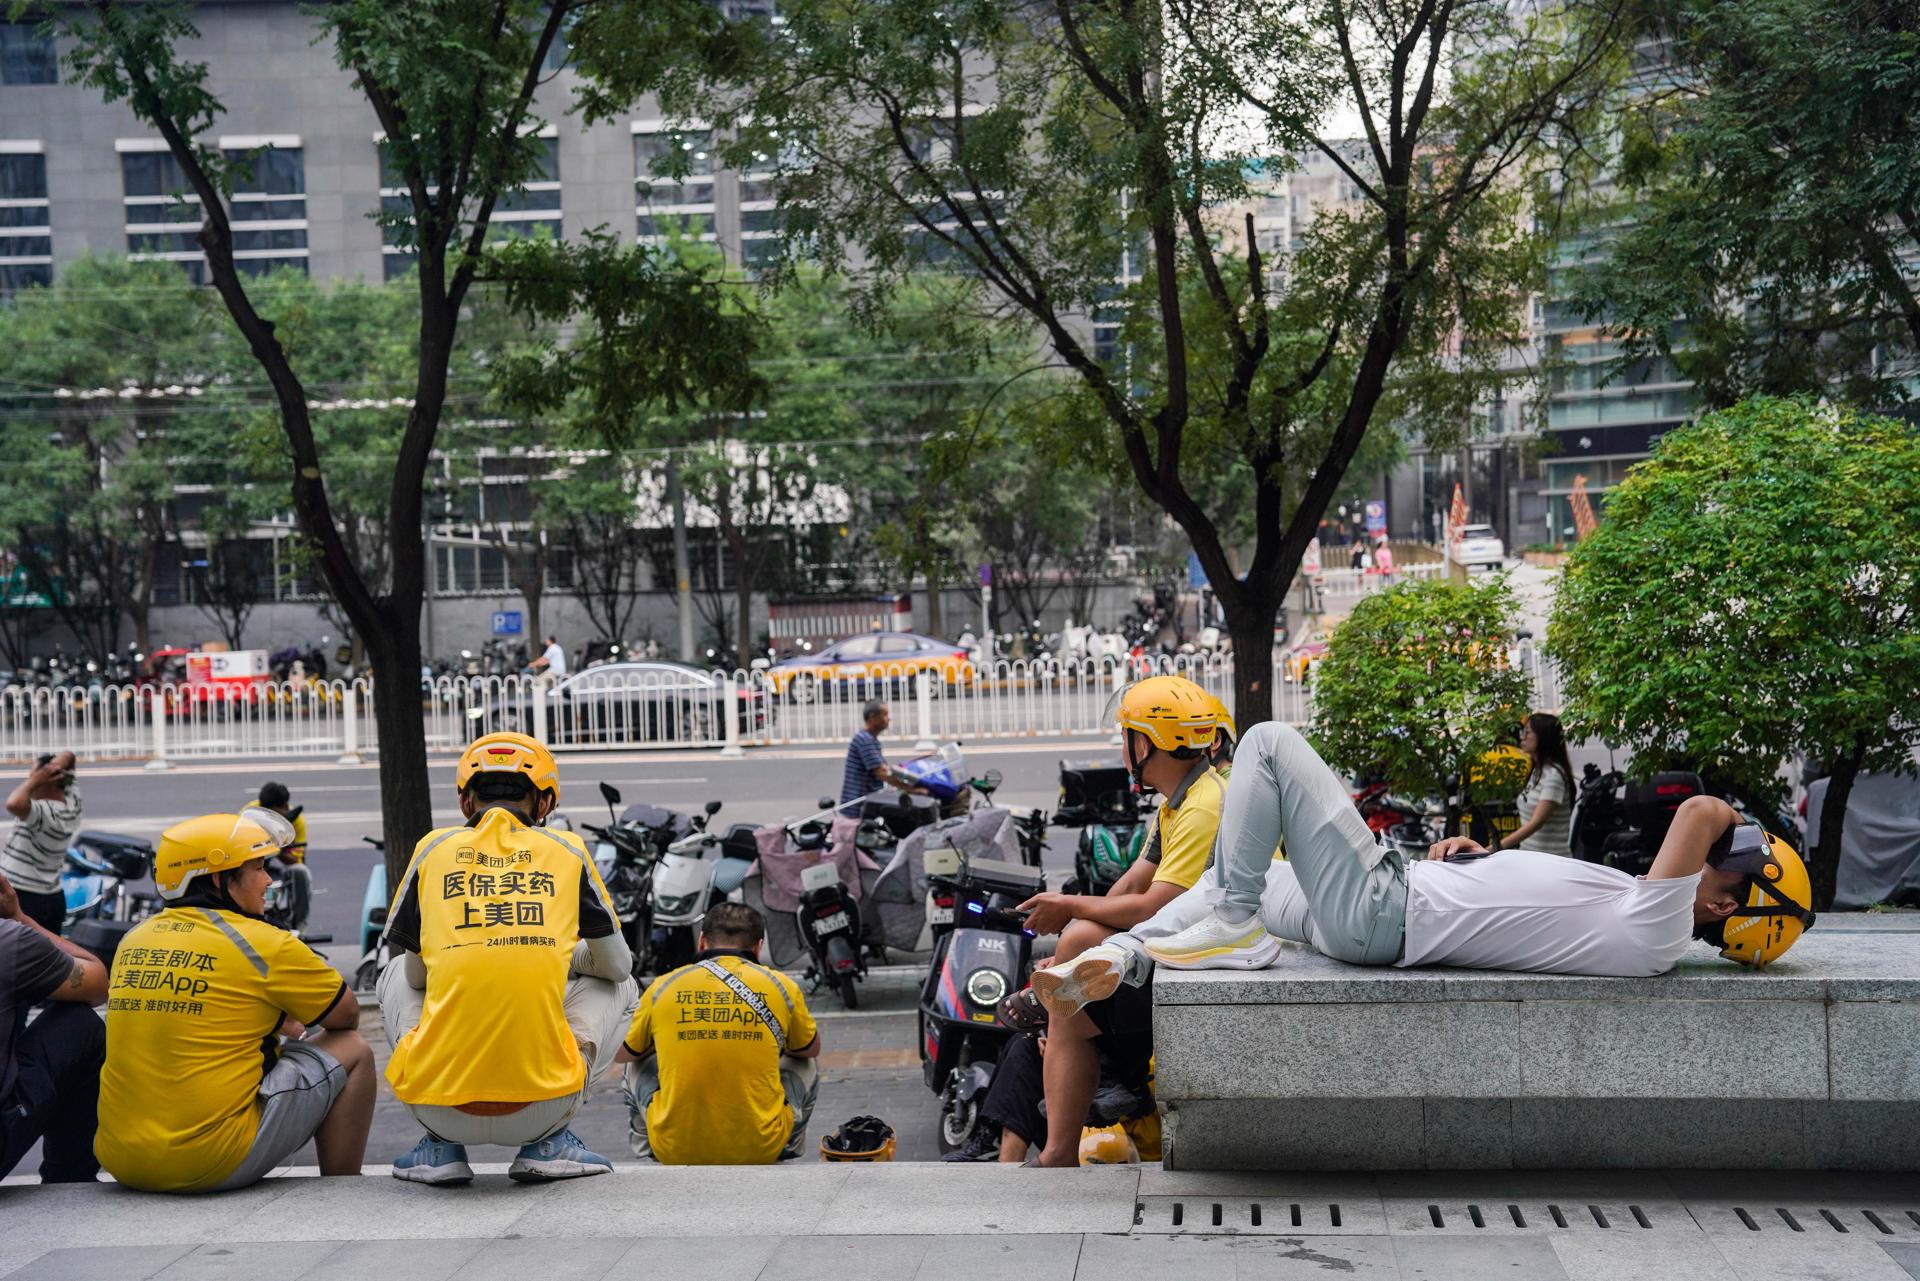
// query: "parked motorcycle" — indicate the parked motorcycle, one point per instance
point(1407, 826)
point(97, 879)
point(692, 874)
point(984, 956)
point(373, 922)
point(1097, 798)
point(1621, 823)
point(626, 851)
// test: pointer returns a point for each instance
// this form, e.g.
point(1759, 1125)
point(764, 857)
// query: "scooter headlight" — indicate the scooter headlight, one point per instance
point(986, 988)
point(674, 904)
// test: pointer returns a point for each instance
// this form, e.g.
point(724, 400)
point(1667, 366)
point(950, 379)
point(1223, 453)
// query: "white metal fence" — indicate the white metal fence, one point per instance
point(614, 710)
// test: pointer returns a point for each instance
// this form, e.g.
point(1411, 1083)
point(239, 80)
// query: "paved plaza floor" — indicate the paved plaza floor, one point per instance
point(921, 1222)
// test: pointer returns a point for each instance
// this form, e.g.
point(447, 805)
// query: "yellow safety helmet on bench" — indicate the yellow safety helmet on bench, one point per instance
point(210, 843)
point(1172, 711)
point(1778, 904)
point(508, 753)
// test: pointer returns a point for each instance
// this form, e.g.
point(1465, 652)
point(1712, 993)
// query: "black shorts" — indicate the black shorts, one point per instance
point(1125, 1021)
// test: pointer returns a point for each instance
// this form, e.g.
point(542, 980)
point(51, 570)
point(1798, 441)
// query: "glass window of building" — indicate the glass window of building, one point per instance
point(26, 236)
point(267, 207)
point(26, 56)
point(533, 209)
point(673, 183)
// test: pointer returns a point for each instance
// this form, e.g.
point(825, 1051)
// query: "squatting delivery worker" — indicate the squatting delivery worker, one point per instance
point(199, 1092)
point(510, 985)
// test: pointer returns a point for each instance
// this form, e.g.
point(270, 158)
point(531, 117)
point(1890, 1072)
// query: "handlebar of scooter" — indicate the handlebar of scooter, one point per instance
point(984, 914)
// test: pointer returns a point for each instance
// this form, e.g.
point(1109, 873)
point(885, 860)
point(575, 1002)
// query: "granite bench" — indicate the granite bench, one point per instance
point(1313, 1064)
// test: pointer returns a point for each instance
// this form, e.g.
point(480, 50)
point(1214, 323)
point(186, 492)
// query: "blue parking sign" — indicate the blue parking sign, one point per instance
point(506, 622)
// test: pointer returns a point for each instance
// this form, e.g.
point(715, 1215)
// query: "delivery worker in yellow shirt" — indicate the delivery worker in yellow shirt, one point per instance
point(230, 1043)
point(722, 1055)
point(510, 985)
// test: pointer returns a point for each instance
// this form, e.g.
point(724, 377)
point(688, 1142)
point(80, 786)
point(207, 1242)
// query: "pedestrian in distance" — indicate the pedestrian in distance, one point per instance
point(510, 984)
point(47, 805)
point(1383, 562)
point(192, 1099)
point(722, 1055)
point(49, 1068)
point(1546, 801)
point(866, 770)
point(552, 661)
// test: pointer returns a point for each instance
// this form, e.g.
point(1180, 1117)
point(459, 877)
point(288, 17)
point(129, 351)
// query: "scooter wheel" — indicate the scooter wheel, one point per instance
point(956, 1123)
point(849, 984)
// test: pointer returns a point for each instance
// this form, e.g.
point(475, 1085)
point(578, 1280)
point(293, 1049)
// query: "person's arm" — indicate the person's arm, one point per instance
point(84, 979)
point(803, 1038)
point(20, 799)
point(607, 957)
point(1541, 813)
point(1697, 824)
point(1441, 851)
point(1049, 913)
point(602, 952)
point(638, 1043)
point(1136, 879)
point(344, 1015)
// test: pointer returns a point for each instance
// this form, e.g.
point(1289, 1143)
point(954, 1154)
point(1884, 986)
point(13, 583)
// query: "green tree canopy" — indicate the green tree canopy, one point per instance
point(1091, 160)
point(1416, 685)
point(1766, 218)
point(1753, 595)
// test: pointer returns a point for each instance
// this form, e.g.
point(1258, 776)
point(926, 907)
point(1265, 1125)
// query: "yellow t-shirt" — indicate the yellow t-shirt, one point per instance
point(1188, 823)
point(720, 1099)
point(196, 997)
point(494, 910)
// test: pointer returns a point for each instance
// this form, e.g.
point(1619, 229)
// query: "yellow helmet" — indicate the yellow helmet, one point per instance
point(511, 754)
point(1779, 897)
point(210, 843)
point(1172, 712)
point(1108, 1145)
point(1225, 720)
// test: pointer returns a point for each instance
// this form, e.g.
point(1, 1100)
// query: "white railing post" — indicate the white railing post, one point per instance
point(923, 697)
point(158, 711)
point(350, 726)
point(538, 688)
point(1119, 683)
point(730, 710)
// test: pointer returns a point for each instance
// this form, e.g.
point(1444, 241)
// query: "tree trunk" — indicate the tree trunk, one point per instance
point(935, 624)
point(406, 807)
point(1250, 623)
point(1833, 819)
point(743, 607)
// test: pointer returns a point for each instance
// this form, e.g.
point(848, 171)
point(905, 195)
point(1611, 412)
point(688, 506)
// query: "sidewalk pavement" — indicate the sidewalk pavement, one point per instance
point(935, 1222)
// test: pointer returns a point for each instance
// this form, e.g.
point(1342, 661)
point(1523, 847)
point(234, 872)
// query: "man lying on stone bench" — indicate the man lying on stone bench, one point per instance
point(1352, 898)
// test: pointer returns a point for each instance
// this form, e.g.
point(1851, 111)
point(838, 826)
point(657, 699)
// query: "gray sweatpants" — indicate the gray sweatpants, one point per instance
point(1340, 891)
point(598, 1014)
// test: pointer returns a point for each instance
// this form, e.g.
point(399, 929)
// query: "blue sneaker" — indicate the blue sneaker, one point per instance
point(558, 1156)
point(434, 1161)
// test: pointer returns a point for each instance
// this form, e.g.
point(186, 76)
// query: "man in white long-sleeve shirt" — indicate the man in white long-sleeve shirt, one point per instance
point(511, 986)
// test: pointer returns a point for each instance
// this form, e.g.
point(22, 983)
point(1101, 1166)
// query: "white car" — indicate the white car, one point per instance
point(1479, 547)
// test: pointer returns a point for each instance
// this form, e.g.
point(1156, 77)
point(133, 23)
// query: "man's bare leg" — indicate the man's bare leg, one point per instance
point(1013, 1148)
point(341, 1140)
point(1078, 937)
point(1071, 1070)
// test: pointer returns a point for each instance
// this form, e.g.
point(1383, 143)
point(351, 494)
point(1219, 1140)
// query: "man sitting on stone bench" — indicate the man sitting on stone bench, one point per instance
point(1353, 899)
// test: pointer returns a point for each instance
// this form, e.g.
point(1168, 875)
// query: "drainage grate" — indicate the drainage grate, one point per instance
point(1259, 1216)
point(1878, 1223)
point(1510, 1217)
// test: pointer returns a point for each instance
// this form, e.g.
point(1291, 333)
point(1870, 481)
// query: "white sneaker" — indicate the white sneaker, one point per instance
point(1093, 975)
point(1211, 943)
